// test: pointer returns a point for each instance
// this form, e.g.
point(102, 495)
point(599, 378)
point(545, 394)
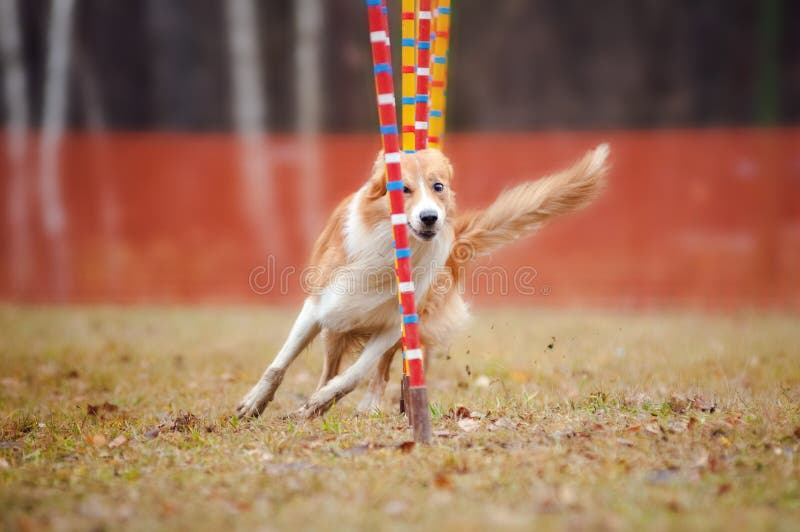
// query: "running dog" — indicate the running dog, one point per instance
point(354, 292)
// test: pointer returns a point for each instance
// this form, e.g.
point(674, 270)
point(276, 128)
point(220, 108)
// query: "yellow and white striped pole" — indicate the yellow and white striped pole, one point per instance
point(439, 81)
point(409, 76)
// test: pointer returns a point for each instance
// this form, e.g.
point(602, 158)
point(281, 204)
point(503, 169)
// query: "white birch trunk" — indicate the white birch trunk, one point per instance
point(53, 122)
point(308, 28)
point(18, 128)
point(249, 113)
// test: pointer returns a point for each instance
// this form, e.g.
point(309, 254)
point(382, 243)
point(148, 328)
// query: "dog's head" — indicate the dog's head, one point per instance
point(429, 198)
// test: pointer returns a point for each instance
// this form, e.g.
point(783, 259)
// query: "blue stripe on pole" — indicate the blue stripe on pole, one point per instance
point(437, 114)
point(402, 253)
point(394, 185)
point(409, 151)
point(389, 130)
point(424, 45)
point(373, 3)
point(400, 307)
point(383, 67)
point(410, 318)
point(444, 10)
point(422, 98)
point(407, 100)
point(407, 42)
point(440, 60)
point(384, 10)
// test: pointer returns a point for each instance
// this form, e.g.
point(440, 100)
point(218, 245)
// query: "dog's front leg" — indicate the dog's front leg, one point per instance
point(371, 401)
point(343, 384)
point(305, 328)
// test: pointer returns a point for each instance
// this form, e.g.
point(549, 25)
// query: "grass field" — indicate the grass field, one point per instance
point(121, 419)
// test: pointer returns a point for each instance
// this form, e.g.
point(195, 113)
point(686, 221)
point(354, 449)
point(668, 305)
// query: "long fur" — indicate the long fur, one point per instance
point(522, 209)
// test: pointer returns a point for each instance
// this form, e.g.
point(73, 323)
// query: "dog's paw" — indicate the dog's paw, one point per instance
point(252, 404)
point(260, 395)
point(315, 407)
point(370, 404)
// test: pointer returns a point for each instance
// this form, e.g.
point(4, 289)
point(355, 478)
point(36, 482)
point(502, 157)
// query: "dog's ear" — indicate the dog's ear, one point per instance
point(376, 186)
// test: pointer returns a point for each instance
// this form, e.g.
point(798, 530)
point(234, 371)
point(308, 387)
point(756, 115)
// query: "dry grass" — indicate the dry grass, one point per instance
point(576, 420)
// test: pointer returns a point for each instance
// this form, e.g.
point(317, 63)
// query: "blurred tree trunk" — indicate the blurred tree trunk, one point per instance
point(249, 111)
point(18, 113)
point(54, 217)
point(308, 24)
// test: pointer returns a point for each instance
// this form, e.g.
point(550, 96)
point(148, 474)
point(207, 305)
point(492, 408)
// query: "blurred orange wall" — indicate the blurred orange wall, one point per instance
point(701, 218)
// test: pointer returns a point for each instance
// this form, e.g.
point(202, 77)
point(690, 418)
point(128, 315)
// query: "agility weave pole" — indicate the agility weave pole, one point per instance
point(420, 70)
point(424, 18)
point(409, 76)
point(417, 398)
point(441, 49)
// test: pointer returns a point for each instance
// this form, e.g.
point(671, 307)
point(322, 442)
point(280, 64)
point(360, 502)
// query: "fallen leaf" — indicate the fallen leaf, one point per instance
point(677, 426)
point(460, 412)
point(182, 422)
point(679, 403)
point(152, 434)
point(674, 506)
point(733, 421)
point(98, 410)
point(469, 425)
point(797, 432)
point(119, 441)
point(653, 428)
point(96, 440)
point(442, 481)
point(704, 404)
point(444, 434)
point(692, 423)
point(724, 488)
point(406, 446)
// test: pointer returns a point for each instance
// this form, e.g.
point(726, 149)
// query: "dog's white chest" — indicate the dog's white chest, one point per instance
point(363, 293)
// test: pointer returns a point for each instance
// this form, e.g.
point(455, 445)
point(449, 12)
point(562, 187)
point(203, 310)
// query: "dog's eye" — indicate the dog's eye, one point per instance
point(438, 187)
point(406, 190)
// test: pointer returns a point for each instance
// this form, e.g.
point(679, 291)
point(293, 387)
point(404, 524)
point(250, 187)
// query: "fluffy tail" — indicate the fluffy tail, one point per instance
point(522, 209)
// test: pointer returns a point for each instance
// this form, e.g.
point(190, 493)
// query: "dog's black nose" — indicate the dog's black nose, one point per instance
point(428, 217)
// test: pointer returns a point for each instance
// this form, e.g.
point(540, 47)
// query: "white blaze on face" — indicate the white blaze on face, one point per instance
point(426, 203)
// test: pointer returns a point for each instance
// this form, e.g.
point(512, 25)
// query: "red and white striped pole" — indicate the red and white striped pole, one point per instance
point(387, 114)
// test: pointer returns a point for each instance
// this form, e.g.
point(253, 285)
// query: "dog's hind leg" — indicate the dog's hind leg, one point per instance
point(305, 328)
point(335, 346)
point(340, 386)
point(371, 401)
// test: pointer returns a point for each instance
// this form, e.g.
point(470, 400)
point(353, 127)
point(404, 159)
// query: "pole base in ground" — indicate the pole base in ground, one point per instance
point(404, 396)
point(419, 414)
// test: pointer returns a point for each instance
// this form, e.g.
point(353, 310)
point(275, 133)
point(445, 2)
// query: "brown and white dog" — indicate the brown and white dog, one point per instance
point(354, 297)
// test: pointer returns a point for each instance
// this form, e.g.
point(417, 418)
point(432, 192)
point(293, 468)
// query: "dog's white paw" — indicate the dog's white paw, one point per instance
point(260, 395)
point(369, 404)
point(317, 405)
